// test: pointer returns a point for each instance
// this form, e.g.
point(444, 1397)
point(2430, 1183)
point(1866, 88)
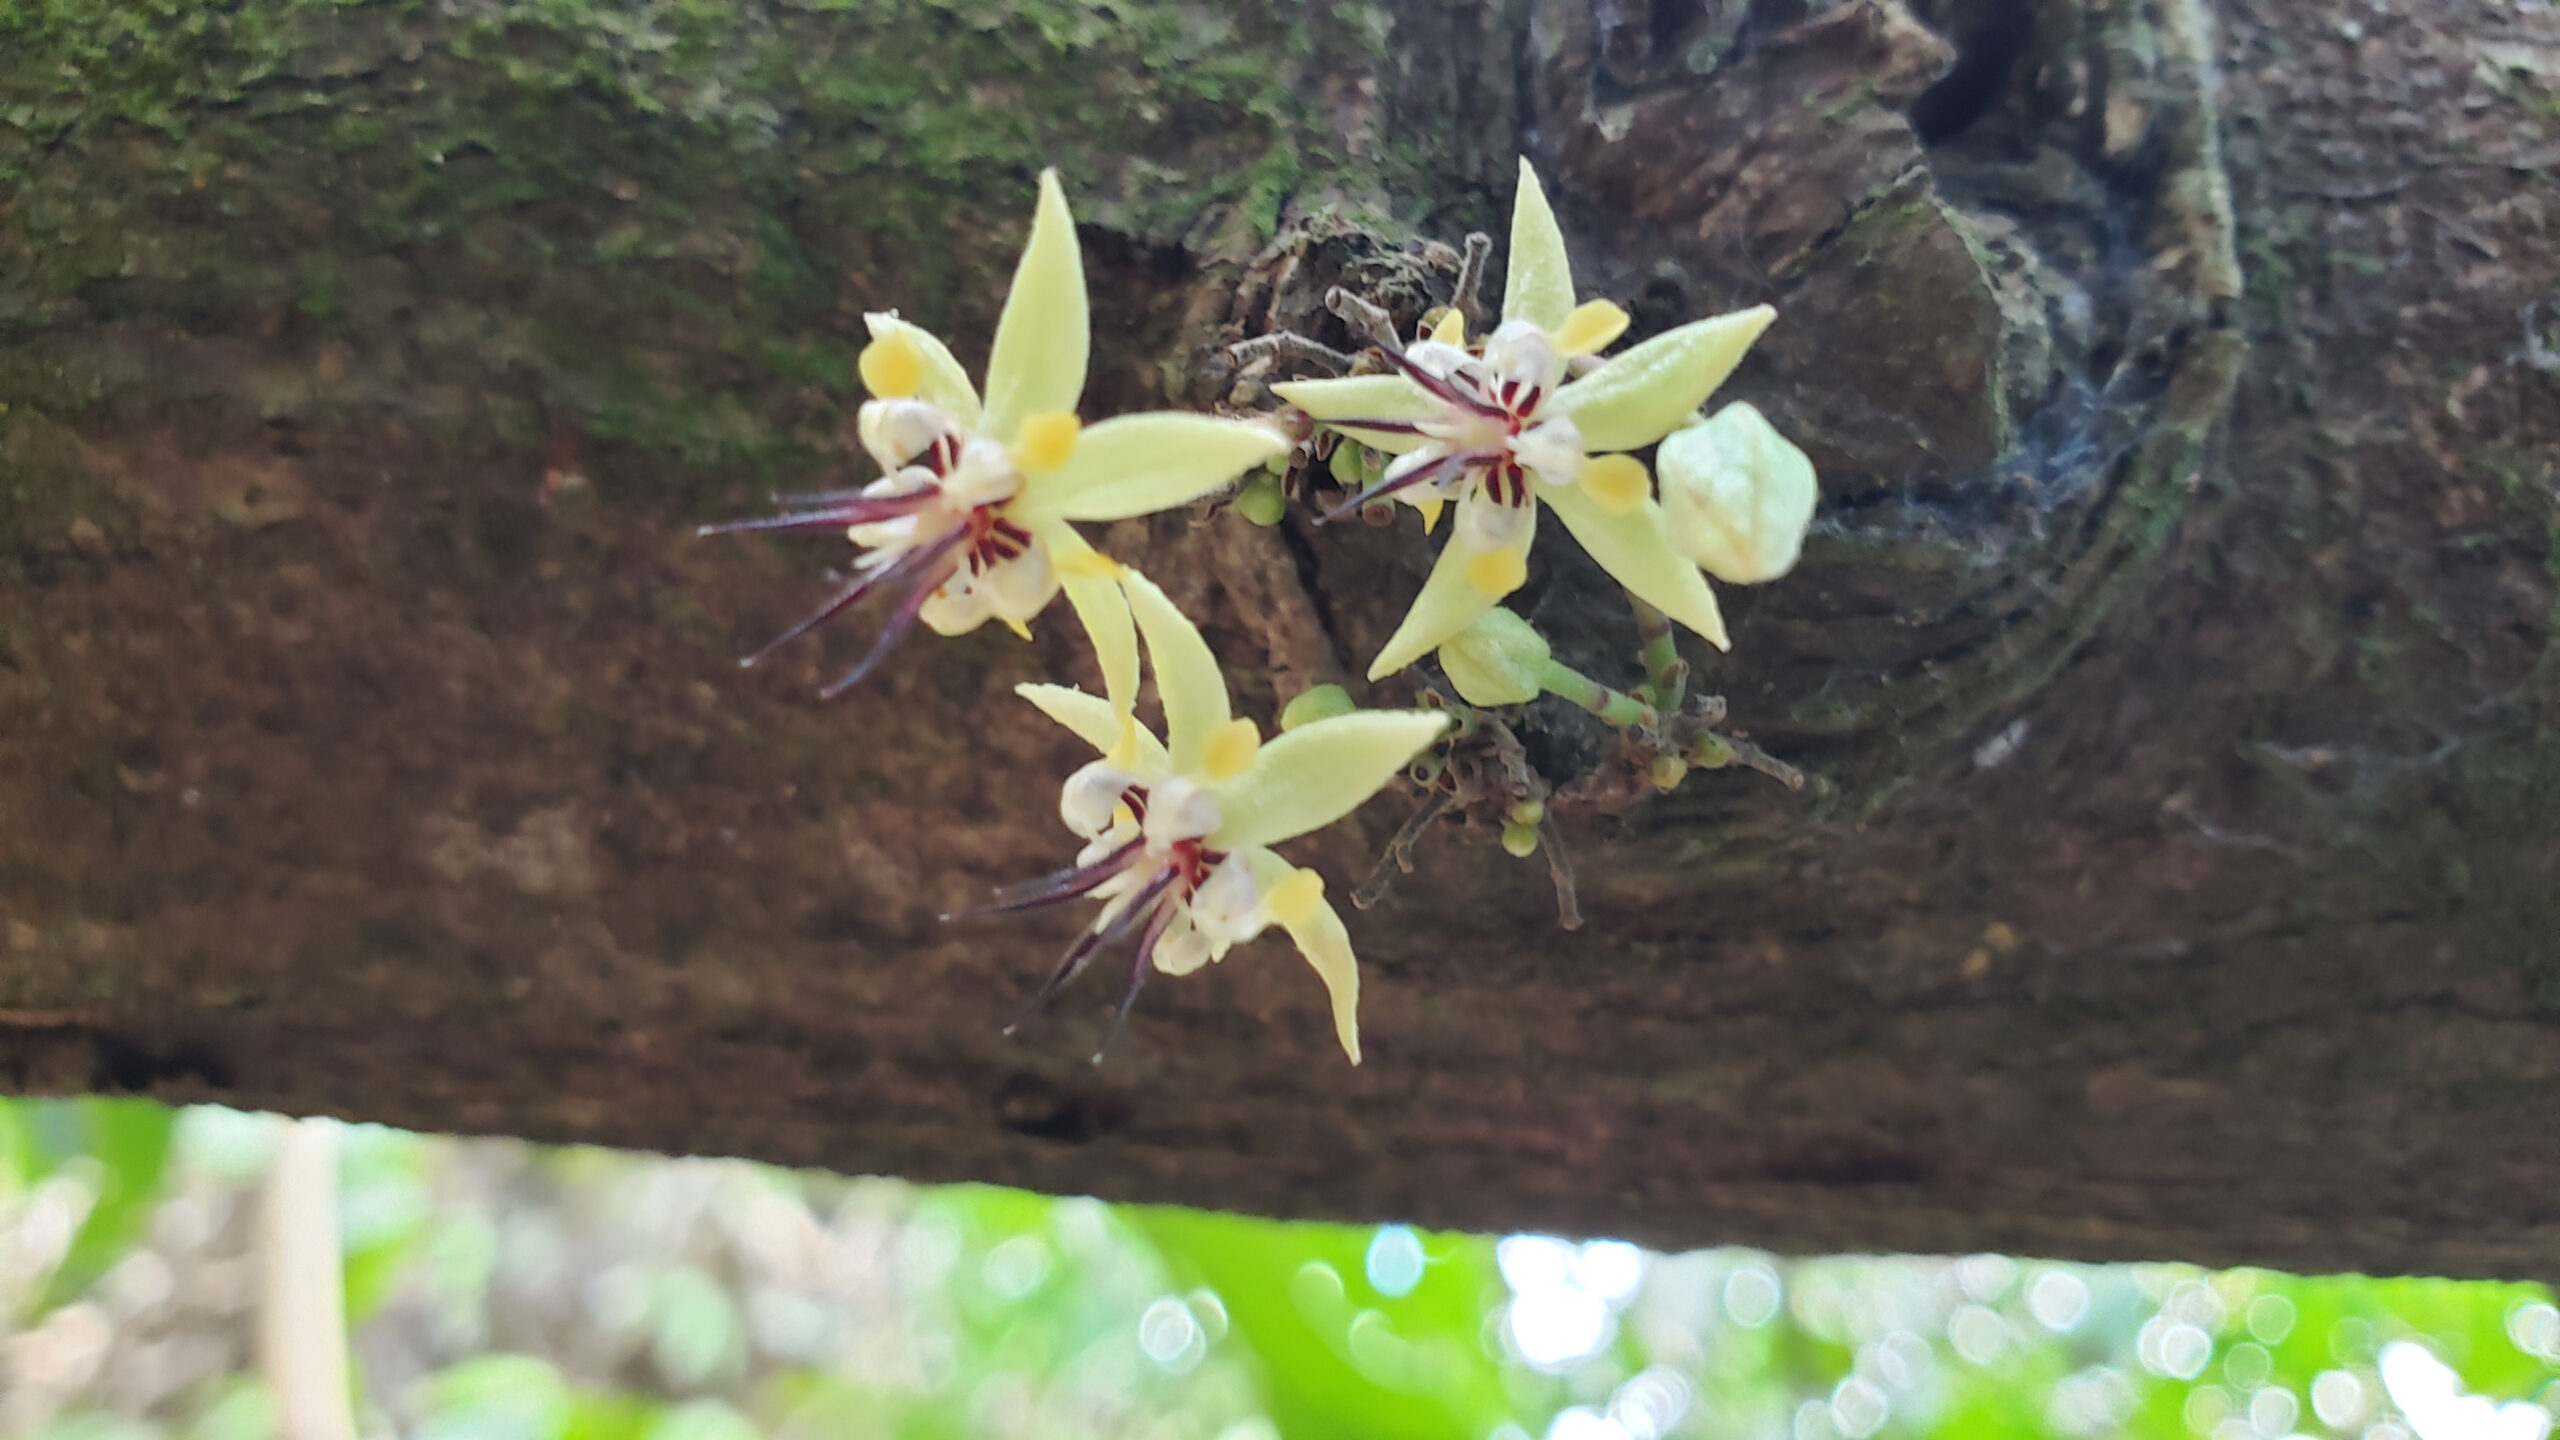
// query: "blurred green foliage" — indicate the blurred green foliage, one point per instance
point(497, 1291)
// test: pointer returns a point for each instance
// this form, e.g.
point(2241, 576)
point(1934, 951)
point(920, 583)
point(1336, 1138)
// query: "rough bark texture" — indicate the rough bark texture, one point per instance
point(2178, 878)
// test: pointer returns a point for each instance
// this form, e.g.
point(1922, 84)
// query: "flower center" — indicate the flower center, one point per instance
point(1150, 864)
point(934, 527)
point(993, 539)
point(1486, 441)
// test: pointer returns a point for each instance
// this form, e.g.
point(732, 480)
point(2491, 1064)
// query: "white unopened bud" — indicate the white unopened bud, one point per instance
point(1499, 660)
point(1736, 495)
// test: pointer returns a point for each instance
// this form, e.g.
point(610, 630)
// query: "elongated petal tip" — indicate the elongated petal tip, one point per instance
point(1320, 938)
point(1636, 550)
point(1307, 778)
point(1140, 464)
point(1451, 600)
point(1538, 287)
point(1037, 364)
point(1352, 398)
point(1644, 393)
point(1092, 582)
point(1188, 680)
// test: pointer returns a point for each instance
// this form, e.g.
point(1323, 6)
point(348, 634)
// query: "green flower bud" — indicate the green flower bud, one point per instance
point(1520, 840)
point(1736, 495)
point(1499, 660)
point(1261, 500)
point(1526, 811)
point(1321, 703)
point(1668, 771)
point(1350, 464)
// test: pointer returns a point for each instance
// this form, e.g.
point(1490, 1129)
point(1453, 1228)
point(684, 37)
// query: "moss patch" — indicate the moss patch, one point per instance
point(653, 223)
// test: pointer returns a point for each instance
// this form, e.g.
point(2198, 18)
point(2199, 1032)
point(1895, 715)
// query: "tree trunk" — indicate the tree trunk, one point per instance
point(2177, 873)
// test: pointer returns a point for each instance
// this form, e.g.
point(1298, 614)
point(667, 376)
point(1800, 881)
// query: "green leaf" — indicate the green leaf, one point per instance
point(129, 1142)
point(703, 1420)
point(499, 1397)
point(1341, 1359)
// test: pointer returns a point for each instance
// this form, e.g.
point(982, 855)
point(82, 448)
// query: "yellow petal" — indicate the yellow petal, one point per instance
point(891, 368)
point(1430, 512)
point(1592, 327)
point(1048, 439)
point(1324, 942)
point(1539, 285)
point(1188, 680)
point(1307, 778)
point(1451, 328)
point(1019, 629)
point(1092, 582)
point(1037, 363)
point(1646, 393)
point(1093, 721)
point(1450, 602)
point(1616, 483)
point(1293, 901)
point(1637, 553)
point(939, 380)
point(1090, 564)
point(1497, 572)
point(1364, 397)
point(1229, 750)
point(1140, 464)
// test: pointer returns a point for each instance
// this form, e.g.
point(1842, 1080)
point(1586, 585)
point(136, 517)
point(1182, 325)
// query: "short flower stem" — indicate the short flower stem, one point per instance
point(1714, 752)
point(1614, 707)
point(1399, 857)
point(1469, 718)
point(1245, 353)
point(1560, 869)
point(1471, 278)
point(1664, 670)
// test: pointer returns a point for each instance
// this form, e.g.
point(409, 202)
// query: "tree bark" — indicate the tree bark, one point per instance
point(2171, 658)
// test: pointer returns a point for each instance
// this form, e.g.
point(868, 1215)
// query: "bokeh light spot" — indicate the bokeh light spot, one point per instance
point(1752, 1296)
point(1395, 1261)
point(2058, 1299)
point(2338, 1398)
point(1859, 1409)
point(1171, 1335)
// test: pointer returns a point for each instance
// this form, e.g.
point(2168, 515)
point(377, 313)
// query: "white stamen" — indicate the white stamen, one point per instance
point(1091, 795)
point(897, 431)
point(1518, 350)
point(1227, 907)
point(1552, 450)
point(1182, 948)
point(1019, 588)
point(984, 476)
point(1485, 523)
point(1178, 810)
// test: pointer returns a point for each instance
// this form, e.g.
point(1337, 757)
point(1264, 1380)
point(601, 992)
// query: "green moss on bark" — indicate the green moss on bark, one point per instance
point(653, 222)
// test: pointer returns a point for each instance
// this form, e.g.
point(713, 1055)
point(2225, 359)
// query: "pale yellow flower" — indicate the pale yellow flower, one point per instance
point(1178, 831)
point(1500, 428)
point(970, 515)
